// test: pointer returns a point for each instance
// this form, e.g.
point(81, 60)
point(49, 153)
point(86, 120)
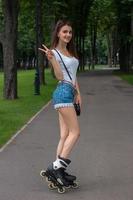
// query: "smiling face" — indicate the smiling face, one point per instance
point(65, 34)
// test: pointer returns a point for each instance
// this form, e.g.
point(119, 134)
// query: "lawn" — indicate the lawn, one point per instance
point(15, 113)
point(128, 78)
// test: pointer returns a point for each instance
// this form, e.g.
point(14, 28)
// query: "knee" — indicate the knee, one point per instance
point(76, 133)
point(64, 135)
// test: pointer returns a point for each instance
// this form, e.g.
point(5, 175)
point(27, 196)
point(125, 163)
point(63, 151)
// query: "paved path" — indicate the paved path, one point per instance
point(102, 159)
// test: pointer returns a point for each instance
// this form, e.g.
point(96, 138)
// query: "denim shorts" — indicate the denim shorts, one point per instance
point(63, 95)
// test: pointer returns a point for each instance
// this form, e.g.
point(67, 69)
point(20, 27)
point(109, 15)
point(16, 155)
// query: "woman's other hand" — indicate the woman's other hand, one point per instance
point(78, 99)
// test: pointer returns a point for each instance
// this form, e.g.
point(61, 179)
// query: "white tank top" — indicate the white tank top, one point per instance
point(71, 64)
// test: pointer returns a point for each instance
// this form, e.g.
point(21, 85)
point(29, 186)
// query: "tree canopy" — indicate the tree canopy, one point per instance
point(103, 31)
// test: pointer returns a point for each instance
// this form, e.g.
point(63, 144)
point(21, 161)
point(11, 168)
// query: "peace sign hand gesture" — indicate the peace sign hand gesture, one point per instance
point(47, 51)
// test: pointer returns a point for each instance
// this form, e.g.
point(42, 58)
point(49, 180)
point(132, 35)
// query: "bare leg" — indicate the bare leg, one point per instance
point(71, 121)
point(64, 132)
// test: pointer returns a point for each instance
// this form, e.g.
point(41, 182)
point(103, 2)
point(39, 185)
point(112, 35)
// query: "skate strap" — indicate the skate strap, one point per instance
point(59, 163)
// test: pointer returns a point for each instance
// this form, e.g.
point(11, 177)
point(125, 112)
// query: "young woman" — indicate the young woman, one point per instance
point(64, 96)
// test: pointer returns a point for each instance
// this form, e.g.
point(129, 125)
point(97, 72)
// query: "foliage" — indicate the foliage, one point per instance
point(52, 12)
point(1, 17)
point(106, 13)
point(26, 29)
point(123, 14)
point(102, 18)
point(76, 11)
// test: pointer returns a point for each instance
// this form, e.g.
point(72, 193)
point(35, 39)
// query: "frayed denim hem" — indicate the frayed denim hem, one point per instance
point(61, 105)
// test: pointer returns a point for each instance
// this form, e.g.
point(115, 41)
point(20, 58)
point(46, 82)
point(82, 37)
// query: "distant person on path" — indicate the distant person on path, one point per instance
point(67, 91)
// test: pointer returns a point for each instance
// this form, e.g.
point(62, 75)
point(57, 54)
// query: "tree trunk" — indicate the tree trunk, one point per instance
point(79, 50)
point(124, 57)
point(1, 57)
point(93, 44)
point(131, 42)
point(83, 50)
point(110, 49)
point(124, 33)
point(124, 53)
point(115, 46)
point(40, 41)
point(1, 37)
point(9, 48)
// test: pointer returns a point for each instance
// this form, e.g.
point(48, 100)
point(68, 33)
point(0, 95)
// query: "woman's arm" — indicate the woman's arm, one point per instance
point(55, 64)
point(77, 87)
point(78, 96)
point(57, 70)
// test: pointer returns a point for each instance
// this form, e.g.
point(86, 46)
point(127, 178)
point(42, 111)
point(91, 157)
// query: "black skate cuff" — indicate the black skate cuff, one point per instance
point(65, 160)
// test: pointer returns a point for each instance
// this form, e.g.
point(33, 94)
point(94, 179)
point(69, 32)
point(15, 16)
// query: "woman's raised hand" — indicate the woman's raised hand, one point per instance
point(47, 51)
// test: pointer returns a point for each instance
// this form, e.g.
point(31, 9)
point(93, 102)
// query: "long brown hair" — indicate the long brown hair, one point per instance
point(70, 46)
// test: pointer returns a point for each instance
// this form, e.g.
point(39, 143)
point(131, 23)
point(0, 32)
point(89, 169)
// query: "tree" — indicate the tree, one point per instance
point(9, 40)
point(101, 24)
point(124, 23)
point(26, 35)
point(131, 39)
point(93, 26)
point(1, 29)
point(78, 11)
point(39, 26)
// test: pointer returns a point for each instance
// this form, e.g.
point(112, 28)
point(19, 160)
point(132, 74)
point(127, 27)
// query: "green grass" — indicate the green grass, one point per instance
point(15, 113)
point(128, 77)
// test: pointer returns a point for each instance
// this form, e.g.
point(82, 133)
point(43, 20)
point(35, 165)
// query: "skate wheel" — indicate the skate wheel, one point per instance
point(75, 185)
point(67, 187)
point(61, 190)
point(51, 186)
point(47, 179)
point(54, 185)
point(43, 173)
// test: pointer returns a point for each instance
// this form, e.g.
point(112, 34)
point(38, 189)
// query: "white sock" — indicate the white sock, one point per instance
point(59, 163)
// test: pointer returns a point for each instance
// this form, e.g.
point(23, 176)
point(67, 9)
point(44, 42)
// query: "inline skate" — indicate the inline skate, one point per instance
point(57, 177)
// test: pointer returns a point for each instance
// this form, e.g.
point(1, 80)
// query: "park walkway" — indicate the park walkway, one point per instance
point(102, 159)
